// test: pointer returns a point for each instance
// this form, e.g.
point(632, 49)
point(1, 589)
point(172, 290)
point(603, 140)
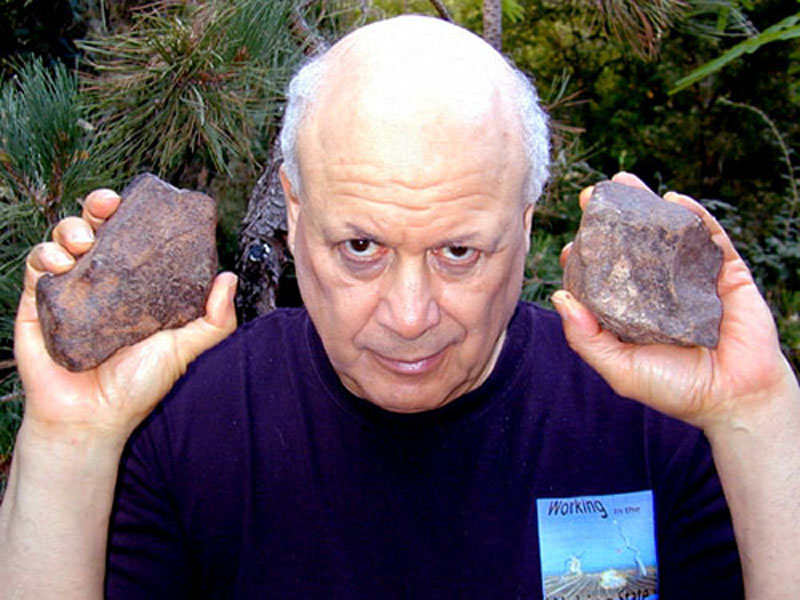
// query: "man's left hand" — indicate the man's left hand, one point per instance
point(709, 388)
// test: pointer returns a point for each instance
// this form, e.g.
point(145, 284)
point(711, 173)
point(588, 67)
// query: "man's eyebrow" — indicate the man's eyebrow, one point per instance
point(349, 230)
point(469, 239)
point(462, 240)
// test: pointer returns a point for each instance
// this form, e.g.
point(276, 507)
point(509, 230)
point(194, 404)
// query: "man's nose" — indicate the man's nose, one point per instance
point(408, 304)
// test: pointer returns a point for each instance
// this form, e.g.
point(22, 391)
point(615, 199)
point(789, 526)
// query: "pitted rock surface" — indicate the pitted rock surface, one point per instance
point(646, 268)
point(150, 268)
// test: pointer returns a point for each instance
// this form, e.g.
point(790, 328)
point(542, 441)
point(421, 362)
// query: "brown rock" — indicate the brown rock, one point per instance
point(646, 268)
point(150, 269)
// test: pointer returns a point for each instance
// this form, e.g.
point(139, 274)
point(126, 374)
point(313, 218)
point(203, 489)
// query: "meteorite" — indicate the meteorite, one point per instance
point(150, 268)
point(646, 268)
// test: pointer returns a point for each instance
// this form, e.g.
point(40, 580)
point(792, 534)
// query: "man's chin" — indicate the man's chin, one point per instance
point(395, 395)
point(407, 404)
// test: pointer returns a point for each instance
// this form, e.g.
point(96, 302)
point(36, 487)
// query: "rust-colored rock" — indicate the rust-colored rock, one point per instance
point(646, 268)
point(150, 269)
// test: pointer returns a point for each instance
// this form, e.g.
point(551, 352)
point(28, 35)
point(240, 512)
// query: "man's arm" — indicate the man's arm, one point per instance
point(744, 396)
point(54, 518)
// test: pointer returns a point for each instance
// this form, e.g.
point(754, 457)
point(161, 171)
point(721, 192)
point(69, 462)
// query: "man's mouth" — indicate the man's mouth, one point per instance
point(413, 366)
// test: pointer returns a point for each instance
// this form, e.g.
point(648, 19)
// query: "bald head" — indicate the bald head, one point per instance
point(414, 79)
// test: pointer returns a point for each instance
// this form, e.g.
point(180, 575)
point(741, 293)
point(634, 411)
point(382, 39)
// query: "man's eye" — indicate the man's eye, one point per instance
point(361, 249)
point(459, 255)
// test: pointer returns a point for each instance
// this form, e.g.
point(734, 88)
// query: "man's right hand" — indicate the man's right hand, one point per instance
point(55, 515)
point(113, 398)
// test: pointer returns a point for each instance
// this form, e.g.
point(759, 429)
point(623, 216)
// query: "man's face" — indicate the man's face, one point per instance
point(409, 249)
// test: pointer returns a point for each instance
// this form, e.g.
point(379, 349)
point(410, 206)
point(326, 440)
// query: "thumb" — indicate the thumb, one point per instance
point(599, 348)
point(580, 325)
point(218, 322)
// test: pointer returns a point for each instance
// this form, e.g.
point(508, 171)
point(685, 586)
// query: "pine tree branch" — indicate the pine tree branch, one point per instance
point(440, 8)
point(310, 40)
point(19, 180)
point(12, 396)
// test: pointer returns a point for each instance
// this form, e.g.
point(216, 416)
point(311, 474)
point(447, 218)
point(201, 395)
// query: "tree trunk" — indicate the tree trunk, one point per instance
point(262, 243)
point(263, 256)
point(493, 23)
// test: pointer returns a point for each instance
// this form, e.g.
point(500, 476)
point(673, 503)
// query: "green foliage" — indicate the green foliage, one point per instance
point(556, 217)
point(47, 161)
point(513, 11)
point(44, 147)
point(640, 25)
point(786, 29)
point(191, 79)
point(772, 249)
point(773, 255)
point(460, 10)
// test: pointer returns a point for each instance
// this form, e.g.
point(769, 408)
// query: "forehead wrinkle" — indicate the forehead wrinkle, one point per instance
point(423, 229)
point(357, 183)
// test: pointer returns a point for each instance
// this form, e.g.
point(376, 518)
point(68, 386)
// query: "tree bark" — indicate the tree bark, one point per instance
point(493, 23)
point(263, 256)
point(441, 10)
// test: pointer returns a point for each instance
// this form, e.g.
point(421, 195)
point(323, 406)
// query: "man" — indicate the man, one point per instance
point(417, 432)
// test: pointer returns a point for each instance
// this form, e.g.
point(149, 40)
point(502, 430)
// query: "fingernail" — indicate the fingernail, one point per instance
point(83, 236)
point(561, 300)
point(232, 288)
point(62, 260)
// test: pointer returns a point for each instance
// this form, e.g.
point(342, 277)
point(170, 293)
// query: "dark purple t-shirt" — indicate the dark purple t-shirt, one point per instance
point(261, 476)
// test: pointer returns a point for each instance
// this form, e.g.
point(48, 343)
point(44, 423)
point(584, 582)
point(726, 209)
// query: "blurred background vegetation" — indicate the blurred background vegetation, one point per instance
point(700, 96)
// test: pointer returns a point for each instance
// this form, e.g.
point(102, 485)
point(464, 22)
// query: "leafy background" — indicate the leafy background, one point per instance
point(700, 96)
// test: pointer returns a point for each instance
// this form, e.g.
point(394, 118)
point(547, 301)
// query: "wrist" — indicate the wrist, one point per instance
point(55, 514)
point(767, 416)
point(72, 436)
point(67, 453)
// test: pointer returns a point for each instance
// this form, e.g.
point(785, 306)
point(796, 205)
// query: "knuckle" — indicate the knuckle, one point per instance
point(65, 226)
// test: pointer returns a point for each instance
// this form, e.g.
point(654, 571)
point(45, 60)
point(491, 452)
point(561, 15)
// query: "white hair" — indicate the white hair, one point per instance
point(302, 93)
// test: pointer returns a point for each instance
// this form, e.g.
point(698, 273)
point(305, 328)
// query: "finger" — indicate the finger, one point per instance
point(630, 179)
point(47, 257)
point(716, 230)
point(585, 196)
point(734, 273)
point(29, 347)
point(99, 205)
point(562, 259)
point(220, 309)
point(74, 234)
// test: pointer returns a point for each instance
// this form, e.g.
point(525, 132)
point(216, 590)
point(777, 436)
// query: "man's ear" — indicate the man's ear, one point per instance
point(292, 207)
point(528, 223)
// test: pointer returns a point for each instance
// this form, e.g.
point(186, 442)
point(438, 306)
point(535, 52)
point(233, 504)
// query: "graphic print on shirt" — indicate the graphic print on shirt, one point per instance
point(598, 547)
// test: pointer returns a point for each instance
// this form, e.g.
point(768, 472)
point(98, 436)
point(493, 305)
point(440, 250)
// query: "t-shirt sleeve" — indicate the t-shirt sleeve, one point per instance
point(146, 554)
